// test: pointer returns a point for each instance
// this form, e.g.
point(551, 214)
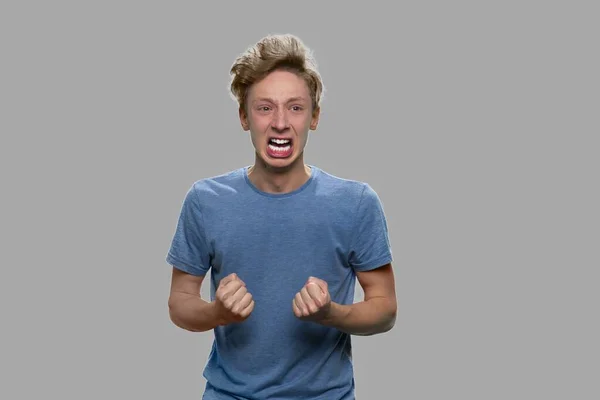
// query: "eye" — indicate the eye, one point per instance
point(297, 108)
point(264, 108)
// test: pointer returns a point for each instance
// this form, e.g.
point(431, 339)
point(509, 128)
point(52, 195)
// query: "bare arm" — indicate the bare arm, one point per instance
point(189, 311)
point(376, 313)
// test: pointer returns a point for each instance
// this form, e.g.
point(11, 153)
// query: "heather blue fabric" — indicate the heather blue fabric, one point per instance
point(328, 228)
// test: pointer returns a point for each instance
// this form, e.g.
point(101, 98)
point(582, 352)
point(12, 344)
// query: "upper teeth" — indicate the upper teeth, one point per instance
point(280, 141)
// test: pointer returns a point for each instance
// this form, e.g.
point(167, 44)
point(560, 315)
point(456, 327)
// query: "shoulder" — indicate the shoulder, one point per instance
point(352, 198)
point(351, 190)
point(216, 186)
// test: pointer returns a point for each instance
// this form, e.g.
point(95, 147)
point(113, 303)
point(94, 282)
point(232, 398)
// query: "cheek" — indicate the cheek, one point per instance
point(258, 123)
point(255, 137)
point(301, 122)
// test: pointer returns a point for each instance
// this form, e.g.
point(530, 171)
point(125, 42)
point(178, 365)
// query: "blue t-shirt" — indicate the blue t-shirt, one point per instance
point(328, 228)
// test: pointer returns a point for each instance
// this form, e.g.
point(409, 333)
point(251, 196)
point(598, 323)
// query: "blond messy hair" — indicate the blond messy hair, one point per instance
point(275, 52)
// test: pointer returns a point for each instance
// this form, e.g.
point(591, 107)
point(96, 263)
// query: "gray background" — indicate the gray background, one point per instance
point(476, 122)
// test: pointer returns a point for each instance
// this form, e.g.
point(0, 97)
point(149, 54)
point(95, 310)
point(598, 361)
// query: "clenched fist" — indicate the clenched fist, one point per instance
point(313, 301)
point(233, 302)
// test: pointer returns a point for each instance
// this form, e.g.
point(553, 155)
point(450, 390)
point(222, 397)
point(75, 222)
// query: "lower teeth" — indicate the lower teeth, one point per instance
point(279, 149)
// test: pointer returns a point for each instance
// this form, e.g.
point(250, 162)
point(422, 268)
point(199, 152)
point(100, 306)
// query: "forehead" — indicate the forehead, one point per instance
point(280, 85)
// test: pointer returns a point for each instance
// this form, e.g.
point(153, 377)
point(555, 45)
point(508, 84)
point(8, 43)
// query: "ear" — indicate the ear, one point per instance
point(243, 119)
point(314, 122)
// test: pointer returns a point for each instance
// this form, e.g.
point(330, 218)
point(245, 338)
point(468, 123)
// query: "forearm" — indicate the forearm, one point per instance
point(368, 317)
point(192, 313)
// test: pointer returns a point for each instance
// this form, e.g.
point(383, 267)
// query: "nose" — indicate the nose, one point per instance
point(280, 121)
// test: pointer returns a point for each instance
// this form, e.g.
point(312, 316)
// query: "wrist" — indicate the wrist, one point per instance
point(337, 313)
point(215, 314)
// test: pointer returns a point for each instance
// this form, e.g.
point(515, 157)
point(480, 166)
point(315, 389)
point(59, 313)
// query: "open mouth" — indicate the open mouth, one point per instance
point(279, 148)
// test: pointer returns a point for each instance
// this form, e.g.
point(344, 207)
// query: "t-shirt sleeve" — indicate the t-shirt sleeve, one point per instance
point(189, 251)
point(370, 245)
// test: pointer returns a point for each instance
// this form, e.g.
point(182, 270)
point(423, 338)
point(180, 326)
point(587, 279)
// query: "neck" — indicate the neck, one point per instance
point(279, 180)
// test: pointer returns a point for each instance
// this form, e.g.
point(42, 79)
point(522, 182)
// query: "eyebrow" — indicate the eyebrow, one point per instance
point(273, 101)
